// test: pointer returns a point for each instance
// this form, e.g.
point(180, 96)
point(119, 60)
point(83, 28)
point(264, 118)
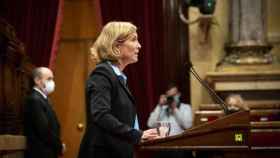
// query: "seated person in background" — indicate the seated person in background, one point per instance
point(236, 103)
point(170, 109)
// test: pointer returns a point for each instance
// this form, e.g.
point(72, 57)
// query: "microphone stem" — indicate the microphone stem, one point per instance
point(210, 90)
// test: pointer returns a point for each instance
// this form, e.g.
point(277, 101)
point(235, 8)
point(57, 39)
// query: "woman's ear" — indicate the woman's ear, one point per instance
point(118, 45)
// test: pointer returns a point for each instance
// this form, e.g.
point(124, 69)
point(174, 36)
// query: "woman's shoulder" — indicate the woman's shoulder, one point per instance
point(103, 69)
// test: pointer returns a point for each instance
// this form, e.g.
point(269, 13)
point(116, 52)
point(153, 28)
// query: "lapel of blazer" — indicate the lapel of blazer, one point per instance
point(115, 77)
point(50, 112)
point(126, 89)
point(45, 100)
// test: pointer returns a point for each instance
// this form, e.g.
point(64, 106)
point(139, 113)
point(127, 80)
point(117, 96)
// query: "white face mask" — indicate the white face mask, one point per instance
point(49, 86)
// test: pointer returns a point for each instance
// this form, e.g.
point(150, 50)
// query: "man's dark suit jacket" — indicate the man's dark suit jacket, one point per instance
point(41, 128)
point(111, 114)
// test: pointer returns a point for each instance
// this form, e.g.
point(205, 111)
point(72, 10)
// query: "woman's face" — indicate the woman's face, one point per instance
point(129, 49)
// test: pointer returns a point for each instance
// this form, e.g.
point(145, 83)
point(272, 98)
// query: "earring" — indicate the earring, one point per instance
point(116, 52)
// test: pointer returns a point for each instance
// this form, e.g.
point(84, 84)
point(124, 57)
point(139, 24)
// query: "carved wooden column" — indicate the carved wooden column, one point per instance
point(15, 72)
point(248, 43)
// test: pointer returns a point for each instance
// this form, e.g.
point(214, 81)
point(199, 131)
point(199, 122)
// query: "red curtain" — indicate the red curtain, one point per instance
point(56, 35)
point(158, 64)
point(37, 24)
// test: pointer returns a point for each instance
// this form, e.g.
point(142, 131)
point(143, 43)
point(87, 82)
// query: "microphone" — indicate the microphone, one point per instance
point(208, 88)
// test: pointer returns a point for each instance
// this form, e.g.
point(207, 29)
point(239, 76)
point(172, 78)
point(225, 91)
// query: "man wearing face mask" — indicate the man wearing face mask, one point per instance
point(41, 126)
point(171, 109)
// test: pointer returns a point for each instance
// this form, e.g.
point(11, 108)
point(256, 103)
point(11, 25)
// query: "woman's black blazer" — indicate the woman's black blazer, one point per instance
point(111, 114)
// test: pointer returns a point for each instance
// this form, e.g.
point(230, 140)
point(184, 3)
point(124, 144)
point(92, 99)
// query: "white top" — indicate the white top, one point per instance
point(180, 120)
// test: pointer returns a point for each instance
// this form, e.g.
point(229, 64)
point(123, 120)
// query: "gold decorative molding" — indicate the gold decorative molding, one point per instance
point(248, 54)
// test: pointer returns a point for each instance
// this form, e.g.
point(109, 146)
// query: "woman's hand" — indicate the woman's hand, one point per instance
point(150, 134)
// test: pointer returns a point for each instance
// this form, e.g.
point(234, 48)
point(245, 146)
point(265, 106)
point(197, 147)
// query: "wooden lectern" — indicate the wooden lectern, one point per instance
point(228, 137)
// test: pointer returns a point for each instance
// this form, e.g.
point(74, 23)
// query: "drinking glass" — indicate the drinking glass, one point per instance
point(163, 128)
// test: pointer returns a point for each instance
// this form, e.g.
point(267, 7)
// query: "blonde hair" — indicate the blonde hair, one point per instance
point(112, 34)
